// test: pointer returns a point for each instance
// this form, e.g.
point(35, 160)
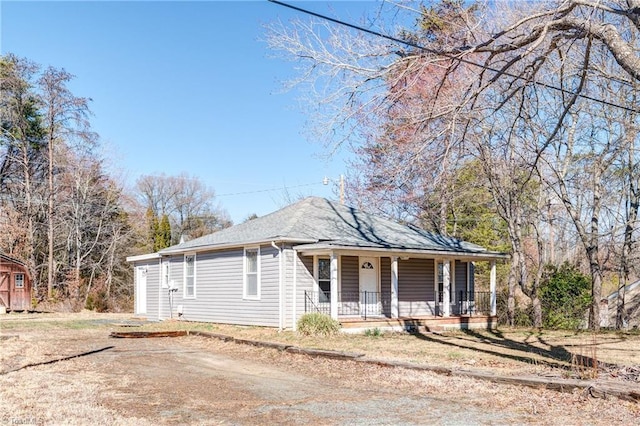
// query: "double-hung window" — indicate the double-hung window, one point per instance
point(324, 280)
point(190, 275)
point(252, 273)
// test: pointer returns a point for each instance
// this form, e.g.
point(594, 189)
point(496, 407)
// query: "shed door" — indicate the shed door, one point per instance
point(141, 290)
point(5, 290)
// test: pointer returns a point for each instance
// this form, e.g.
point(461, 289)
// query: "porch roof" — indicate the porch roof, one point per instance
point(319, 224)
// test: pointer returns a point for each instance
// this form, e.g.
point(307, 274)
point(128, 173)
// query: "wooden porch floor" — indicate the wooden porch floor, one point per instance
point(419, 323)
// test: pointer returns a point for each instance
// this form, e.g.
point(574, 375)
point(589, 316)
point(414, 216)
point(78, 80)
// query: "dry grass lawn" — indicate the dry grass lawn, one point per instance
point(84, 390)
point(506, 351)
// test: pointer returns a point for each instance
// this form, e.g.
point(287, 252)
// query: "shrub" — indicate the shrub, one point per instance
point(565, 294)
point(317, 324)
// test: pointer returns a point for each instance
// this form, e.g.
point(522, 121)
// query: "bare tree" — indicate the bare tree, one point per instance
point(66, 121)
point(506, 86)
point(186, 200)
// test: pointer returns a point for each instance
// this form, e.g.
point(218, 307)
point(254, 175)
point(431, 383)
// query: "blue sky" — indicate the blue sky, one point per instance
point(185, 87)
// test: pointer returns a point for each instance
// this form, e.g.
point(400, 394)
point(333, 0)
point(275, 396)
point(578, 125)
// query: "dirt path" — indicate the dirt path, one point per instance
point(175, 380)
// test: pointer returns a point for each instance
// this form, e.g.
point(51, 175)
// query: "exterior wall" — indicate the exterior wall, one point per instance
point(153, 288)
point(219, 289)
point(349, 279)
point(304, 282)
point(461, 278)
point(11, 297)
point(416, 287)
point(385, 285)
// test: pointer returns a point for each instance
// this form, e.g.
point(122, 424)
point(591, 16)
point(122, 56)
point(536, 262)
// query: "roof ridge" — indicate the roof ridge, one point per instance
point(298, 213)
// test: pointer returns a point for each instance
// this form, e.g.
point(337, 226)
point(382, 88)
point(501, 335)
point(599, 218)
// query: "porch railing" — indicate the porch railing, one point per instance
point(371, 304)
point(474, 303)
point(362, 303)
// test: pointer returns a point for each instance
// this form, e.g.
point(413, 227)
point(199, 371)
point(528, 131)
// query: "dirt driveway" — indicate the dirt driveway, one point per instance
point(195, 380)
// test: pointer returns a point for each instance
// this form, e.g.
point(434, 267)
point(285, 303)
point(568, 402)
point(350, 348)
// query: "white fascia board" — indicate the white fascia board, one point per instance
point(143, 257)
point(212, 247)
point(325, 249)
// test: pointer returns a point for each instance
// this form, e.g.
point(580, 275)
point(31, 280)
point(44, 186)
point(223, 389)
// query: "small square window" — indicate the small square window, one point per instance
point(19, 280)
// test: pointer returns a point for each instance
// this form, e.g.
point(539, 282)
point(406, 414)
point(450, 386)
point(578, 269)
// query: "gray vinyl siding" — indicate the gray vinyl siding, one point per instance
point(304, 282)
point(219, 289)
point(461, 278)
point(415, 287)
point(385, 285)
point(153, 289)
point(350, 279)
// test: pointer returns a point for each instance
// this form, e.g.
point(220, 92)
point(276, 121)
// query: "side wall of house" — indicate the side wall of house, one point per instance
point(416, 287)
point(304, 282)
point(219, 281)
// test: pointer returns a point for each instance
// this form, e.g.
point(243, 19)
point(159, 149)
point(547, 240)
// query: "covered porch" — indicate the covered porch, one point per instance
point(408, 290)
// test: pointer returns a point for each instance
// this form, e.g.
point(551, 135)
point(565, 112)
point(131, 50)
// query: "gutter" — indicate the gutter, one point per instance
point(239, 244)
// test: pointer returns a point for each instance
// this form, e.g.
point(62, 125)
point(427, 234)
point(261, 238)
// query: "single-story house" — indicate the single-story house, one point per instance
point(15, 285)
point(315, 256)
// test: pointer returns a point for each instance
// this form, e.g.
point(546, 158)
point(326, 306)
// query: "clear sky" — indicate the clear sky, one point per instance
point(185, 87)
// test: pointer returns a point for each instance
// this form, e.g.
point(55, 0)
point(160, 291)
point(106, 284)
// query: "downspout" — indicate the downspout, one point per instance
point(280, 285)
point(294, 316)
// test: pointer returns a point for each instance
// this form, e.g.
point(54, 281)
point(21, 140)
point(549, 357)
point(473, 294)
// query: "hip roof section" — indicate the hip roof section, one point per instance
point(318, 220)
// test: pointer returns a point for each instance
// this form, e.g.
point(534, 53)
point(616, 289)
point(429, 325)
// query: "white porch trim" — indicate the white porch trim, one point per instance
point(395, 307)
point(492, 288)
point(334, 285)
point(446, 288)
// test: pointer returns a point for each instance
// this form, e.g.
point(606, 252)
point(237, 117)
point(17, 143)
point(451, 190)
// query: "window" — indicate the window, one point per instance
point(165, 274)
point(189, 275)
point(252, 273)
point(324, 280)
point(19, 280)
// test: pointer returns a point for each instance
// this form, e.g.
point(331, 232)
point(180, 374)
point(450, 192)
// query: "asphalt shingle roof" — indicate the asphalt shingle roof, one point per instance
point(316, 220)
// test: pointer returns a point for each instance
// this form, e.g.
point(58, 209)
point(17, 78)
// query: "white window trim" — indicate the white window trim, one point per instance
point(258, 273)
point(15, 280)
point(184, 276)
point(165, 279)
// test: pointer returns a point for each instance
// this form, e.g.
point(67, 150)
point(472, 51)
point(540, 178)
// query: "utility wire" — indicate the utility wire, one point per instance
point(270, 190)
point(450, 56)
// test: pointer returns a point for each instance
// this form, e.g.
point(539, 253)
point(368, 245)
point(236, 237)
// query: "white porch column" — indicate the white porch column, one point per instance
point(395, 310)
point(492, 287)
point(334, 286)
point(446, 287)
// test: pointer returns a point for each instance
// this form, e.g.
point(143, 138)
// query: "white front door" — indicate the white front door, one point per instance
point(141, 290)
point(369, 292)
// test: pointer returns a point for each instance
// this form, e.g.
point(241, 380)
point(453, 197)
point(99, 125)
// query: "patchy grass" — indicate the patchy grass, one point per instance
point(94, 390)
point(504, 351)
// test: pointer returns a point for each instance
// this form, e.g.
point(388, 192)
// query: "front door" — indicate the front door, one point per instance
point(369, 292)
point(141, 290)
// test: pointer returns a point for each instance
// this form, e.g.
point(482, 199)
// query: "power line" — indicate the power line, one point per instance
point(450, 56)
point(269, 190)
